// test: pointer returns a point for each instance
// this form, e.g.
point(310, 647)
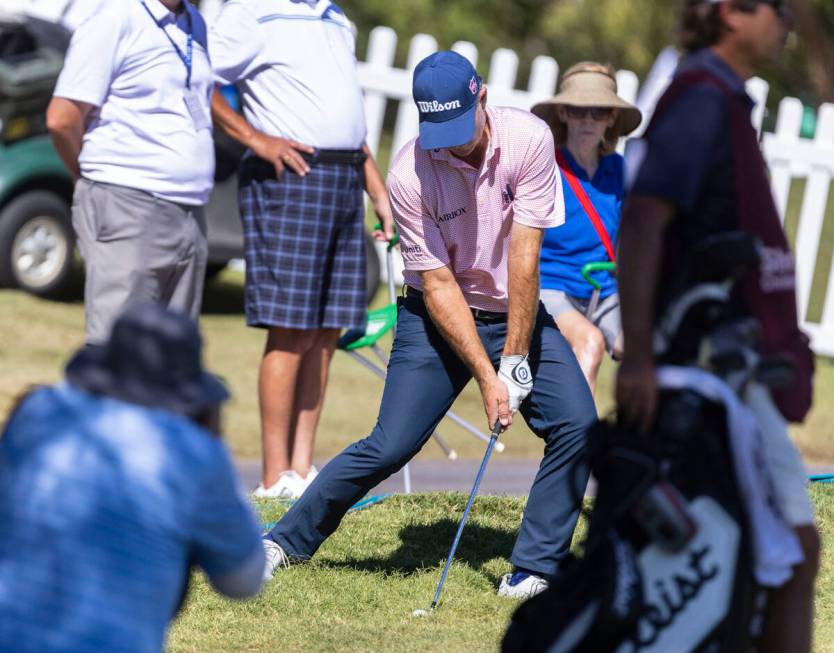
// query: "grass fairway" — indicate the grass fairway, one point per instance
point(385, 561)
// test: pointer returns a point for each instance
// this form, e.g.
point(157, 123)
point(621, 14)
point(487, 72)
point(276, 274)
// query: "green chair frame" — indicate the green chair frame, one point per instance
point(587, 273)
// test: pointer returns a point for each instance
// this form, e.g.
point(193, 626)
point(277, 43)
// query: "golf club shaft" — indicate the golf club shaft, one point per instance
point(492, 440)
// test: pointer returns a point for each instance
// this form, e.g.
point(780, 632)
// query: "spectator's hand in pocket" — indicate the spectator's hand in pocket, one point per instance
point(283, 153)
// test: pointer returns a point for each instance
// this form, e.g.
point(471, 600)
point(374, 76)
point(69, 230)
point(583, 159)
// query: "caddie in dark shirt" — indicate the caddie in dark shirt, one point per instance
point(703, 173)
point(689, 158)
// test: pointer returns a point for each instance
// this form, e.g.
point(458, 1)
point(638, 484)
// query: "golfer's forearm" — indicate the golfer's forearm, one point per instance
point(450, 313)
point(522, 288)
point(641, 249)
point(232, 123)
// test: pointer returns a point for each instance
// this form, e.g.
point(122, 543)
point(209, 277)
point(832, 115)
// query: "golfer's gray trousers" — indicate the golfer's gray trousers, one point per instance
point(424, 378)
point(136, 247)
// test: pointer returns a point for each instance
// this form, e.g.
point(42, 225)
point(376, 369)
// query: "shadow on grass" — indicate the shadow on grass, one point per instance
point(73, 291)
point(222, 297)
point(427, 545)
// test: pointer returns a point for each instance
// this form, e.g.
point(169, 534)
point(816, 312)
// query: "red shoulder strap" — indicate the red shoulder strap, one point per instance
point(587, 205)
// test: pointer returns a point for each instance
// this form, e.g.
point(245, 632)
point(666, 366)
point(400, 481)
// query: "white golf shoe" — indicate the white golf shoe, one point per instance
point(521, 585)
point(275, 559)
point(289, 486)
point(311, 476)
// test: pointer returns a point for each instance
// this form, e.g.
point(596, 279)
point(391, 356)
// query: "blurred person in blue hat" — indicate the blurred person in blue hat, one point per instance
point(113, 485)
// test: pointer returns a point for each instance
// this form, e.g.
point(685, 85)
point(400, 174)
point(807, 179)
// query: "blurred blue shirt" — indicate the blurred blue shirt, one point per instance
point(103, 505)
point(571, 245)
point(688, 160)
point(689, 156)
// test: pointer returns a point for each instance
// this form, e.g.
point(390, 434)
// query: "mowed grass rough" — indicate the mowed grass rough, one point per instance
point(358, 593)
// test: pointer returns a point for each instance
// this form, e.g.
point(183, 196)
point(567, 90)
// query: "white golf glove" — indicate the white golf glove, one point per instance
point(515, 372)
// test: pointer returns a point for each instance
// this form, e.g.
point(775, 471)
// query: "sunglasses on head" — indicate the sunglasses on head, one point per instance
point(597, 113)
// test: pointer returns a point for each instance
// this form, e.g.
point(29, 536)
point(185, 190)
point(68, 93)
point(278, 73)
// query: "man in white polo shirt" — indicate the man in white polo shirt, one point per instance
point(130, 118)
point(472, 196)
point(302, 207)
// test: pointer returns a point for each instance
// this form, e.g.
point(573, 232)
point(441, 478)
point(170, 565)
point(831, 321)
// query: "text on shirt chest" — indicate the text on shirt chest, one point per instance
point(468, 201)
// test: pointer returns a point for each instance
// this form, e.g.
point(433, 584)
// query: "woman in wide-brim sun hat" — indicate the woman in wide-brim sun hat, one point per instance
point(587, 119)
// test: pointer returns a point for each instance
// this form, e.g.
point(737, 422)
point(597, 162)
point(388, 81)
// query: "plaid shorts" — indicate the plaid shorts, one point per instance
point(304, 246)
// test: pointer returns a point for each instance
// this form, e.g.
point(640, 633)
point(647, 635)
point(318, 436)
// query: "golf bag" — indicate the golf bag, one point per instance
point(667, 563)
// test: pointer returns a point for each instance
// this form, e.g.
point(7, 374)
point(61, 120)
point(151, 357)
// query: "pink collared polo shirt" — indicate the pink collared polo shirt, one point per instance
point(449, 213)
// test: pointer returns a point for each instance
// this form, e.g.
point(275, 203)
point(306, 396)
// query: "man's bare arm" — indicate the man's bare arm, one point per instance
point(66, 121)
point(523, 287)
point(451, 314)
point(644, 222)
point(280, 152)
point(375, 188)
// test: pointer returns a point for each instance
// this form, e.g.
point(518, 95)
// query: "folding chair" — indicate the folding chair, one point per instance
point(379, 323)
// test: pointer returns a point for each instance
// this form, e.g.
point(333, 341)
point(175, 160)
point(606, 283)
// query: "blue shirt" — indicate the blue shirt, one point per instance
point(688, 158)
point(102, 506)
point(571, 245)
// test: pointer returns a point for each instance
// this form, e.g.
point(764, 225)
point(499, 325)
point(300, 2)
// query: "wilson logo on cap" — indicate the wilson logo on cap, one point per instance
point(445, 89)
point(434, 106)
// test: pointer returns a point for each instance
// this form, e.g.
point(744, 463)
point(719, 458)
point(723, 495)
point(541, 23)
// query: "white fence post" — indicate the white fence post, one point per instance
point(467, 50)
point(627, 85)
point(543, 75)
point(823, 340)
point(778, 148)
point(502, 69)
point(422, 46)
point(812, 214)
point(382, 46)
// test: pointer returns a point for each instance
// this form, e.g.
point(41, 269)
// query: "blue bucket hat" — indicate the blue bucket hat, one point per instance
point(153, 359)
point(445, 89)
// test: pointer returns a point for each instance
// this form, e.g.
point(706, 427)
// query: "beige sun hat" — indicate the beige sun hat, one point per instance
point(590, 84)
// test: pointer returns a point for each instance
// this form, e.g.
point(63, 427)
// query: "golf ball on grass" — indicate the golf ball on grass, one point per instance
point(419, 612)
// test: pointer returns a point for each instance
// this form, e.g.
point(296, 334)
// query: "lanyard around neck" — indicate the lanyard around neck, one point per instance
point(186, 58)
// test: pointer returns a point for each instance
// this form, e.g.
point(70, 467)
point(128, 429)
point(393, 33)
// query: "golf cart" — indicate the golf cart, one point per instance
point(36, 237)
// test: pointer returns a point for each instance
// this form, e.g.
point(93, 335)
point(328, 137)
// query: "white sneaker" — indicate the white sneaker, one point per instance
point(289, 486)
point(275, 559)
point(521, 585)
point(311, 476)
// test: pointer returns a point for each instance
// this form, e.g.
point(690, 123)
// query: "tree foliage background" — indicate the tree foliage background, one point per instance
point(627, 33)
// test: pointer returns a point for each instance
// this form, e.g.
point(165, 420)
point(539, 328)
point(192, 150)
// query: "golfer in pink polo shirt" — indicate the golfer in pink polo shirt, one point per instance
point(471, 196)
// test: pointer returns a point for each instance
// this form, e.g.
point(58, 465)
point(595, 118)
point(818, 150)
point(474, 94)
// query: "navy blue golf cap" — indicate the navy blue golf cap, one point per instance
point(445, 90)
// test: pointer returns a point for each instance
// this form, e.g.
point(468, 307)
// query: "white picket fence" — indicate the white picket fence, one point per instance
point(789, 156)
